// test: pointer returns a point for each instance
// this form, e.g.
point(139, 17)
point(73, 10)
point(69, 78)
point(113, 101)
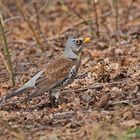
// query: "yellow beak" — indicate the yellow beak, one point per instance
point(86, 40)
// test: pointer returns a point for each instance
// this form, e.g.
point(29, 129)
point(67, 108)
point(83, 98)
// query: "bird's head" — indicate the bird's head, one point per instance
point(73, 47)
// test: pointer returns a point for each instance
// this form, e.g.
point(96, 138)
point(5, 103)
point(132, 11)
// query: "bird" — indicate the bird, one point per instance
point(56, 75)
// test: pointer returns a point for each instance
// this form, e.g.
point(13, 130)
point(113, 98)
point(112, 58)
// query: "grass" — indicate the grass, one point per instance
point(7, 52)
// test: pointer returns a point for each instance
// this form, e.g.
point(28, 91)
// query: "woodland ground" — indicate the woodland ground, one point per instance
point(103, 103)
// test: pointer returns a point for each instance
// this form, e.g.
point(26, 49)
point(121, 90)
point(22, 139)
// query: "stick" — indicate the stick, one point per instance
point(96, 17)
point(7, 53)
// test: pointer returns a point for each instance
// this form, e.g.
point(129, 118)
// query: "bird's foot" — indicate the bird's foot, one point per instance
point(54, 100)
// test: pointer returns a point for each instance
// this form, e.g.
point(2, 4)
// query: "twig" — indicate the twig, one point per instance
point(2, 57)
point(18, 2)
point(122, 43)
point(7, 53)
point(82, 75)
point(63, 115)
point(38, 20)
point(79, 16)
point(5, 9)
point(76, 24)
point(123, 102)
point(96, 17)
point(90, 21)
point(12, 19)
point(94, 86)
point(39, 11)
point(61, 33)
point(120, 102)
point(37, 15)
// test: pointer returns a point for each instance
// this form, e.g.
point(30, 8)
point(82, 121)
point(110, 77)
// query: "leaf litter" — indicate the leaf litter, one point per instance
point(102, 103)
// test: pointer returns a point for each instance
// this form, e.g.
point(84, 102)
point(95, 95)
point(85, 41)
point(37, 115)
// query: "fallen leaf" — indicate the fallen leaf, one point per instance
point(104, 100)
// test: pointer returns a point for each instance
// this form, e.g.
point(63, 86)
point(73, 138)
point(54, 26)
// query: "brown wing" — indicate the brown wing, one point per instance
point(54, 73)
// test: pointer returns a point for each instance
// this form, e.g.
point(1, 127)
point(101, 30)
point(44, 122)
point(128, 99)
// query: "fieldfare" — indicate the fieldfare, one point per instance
point(56, 75)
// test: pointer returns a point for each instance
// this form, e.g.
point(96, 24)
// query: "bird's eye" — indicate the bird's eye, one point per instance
point(77, 42)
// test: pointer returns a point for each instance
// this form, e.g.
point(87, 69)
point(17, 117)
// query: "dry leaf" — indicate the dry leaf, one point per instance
point(104, 100)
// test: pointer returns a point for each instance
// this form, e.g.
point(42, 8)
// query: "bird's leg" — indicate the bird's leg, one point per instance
point(54, 99)
point(2, 101)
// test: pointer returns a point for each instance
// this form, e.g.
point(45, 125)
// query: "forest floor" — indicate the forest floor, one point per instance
point(103, 103)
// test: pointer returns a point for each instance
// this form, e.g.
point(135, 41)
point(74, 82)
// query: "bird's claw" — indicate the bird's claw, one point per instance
point(54, 99)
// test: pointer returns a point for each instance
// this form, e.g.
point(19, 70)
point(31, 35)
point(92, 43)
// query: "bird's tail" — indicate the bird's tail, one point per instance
point(30, 84)
point(12, 94)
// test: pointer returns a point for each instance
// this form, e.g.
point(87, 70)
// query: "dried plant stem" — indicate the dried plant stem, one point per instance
point(7, 53)
point(99, 85)
point(79, 16)
point(61, 33)
point(12, 19)
point(96, 17)
point(38, 20)
point(89, 9)
point(37, 15)
point(18, 2)
point(76, 24)
point(40, 10)
point(3, 59)
point(5, 9)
